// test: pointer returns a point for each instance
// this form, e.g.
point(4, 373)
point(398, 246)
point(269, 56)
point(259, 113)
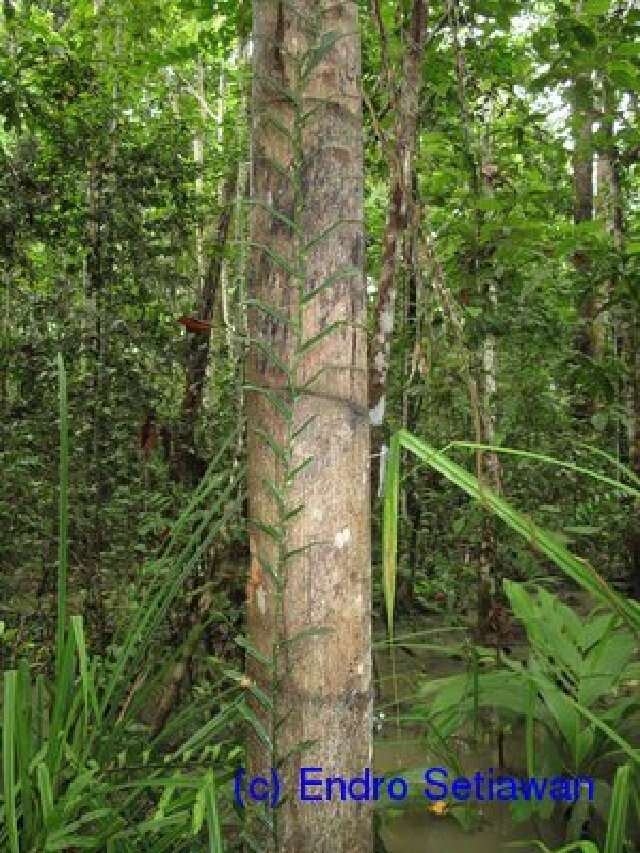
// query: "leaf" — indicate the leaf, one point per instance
point(281, 217)
point(280, 317)
point(579, 570)
point(244, 643)
point(271, 531)
point(312, 342)
point(390, 528)
point(307, 633)
point(213, 818)
point(291, 476)
point(271, 354)
point(339, 275)
point(277, 258)
point(596, 7)
point(624, 74)
point(279, 496)
point(272, 396)
point(307, 423)
point(292, 513)
point(317, 53)
point(256, 725)
point(279, 450)
point(315, 241)
point(43, 780)
point(615, 841)
point(198, 812)
point(9, 711)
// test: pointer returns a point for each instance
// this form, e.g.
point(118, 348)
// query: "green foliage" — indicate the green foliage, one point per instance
point(67, 744)
point(571, 690)
point(570, 684)
point(578, 570)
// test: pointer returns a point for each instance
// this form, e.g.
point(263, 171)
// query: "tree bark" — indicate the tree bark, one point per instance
point(589, 340)
point(405, 104)
point(489, 468)
point(310, 537)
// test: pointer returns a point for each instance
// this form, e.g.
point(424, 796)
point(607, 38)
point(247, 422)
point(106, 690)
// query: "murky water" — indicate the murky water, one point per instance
point(415, 827)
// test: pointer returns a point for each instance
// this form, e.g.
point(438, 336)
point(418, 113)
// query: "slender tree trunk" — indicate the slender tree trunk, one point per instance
point(589, 341)
point(483, 390)
point(488, 461)
point(405, 104)
point(98, 272)
point(310, 538)
point(198, 159)
point(609, 208)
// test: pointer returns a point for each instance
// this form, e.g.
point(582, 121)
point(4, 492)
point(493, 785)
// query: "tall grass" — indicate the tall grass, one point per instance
point(66, 743)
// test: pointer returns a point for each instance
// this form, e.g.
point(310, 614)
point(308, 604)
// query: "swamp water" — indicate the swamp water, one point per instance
point(415, 826)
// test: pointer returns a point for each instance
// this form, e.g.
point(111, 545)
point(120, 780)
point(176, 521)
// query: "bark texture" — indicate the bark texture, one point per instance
point(589, 341)
point(405, 103)
point(489, 468)
point(308, 169)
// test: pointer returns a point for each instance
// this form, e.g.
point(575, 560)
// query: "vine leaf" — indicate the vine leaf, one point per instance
point(318, 52)
point(280, 452)
point(312, 342)
point(244, 643)
point(302, 428)
point(307, 633)
point(247, 714)
point(280, 317)
point(291, 476)
point(271, 531)
point(338, 275)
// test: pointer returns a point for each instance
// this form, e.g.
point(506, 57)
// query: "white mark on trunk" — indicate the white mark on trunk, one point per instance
point(383, 464)
point(261, 600)
point(380, 362)
point(343, 537)
point(376, 415)
point(386, 318)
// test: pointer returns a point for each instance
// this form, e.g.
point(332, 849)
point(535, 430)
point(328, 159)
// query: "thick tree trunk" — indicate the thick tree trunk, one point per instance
point(310, 538)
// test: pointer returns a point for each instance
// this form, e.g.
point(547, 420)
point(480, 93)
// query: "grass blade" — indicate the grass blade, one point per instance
point(63, 511)
point(9, 713)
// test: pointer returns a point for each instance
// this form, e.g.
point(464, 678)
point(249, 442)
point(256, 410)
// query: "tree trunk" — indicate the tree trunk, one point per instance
point(405, 104)
point(310, 537)
point(489, 467)
point(589, 341)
